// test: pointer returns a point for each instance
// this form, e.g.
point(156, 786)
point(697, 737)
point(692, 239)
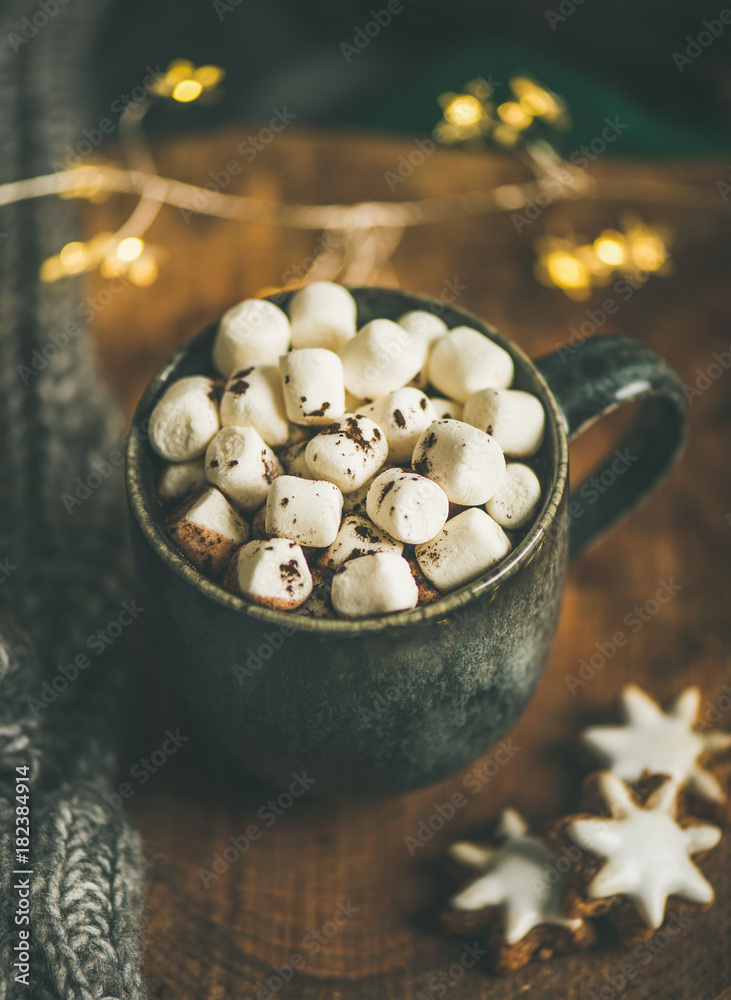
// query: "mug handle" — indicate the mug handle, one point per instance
point(593, 379)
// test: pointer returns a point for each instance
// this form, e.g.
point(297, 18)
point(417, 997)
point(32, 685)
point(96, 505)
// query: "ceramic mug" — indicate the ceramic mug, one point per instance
point(389, 704)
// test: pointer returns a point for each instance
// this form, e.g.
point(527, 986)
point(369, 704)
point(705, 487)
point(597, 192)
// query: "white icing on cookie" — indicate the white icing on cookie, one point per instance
point(657, 742)
point(648, 854)
point(514, 879)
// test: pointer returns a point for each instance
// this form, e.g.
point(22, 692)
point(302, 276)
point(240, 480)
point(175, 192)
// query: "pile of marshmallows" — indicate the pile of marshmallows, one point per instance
point(324, 449)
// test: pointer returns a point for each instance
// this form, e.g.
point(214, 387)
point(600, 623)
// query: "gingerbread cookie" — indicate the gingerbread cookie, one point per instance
point(512, 899)
point(655, 742)
point(636, 856)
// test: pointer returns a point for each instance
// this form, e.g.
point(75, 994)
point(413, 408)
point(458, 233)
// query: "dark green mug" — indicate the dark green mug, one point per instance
point(389, 704)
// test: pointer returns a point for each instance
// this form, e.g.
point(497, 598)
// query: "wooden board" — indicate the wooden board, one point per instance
point(315, 861)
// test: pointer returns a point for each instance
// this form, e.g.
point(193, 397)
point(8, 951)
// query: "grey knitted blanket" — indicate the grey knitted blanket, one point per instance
point(64, 571)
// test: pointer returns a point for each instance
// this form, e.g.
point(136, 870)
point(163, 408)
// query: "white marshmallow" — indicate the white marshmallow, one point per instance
point(181, 478)
point(468, 464)
point(516, 502)
point(402, 416)
point(408, 507)
point(447, 409)
point(185, 419)
point(252, 330)
point(305, 510)
point(294, 460)
point(467, 546)
point(424, 326)
point(374, 585)
point(348, 452)
point(322, 314)
point(357, 537)
point(514, 418)
point(464, 361)
point(240, 464)
point(380, 358)
point(253, 398)
point(312, 383)
point(272, 572)
point(207, 529)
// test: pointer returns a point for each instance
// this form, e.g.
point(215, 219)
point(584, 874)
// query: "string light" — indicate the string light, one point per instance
point(88, 184)
point(186, 91)
point(515, 115)
point(463, 110)
point(360, 239)
point(129, 249)
point(576, 267)
point(465, 116)
point(472, 115)
point(184, 82)
point(540, 102)
point(73, 258)
point(125, 254)
point(610, 248)
point(130, 257)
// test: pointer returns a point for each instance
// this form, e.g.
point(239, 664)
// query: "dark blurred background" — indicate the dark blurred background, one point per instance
point(598, 54)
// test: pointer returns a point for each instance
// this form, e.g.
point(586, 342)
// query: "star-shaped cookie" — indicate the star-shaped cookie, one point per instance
point(644, 856)
point(515, 897)
point(655, 742)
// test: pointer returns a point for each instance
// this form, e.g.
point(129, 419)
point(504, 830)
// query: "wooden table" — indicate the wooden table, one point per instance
point(219, 941)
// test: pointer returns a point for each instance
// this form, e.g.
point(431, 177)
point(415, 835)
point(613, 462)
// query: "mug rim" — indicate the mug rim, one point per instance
point(155, 536)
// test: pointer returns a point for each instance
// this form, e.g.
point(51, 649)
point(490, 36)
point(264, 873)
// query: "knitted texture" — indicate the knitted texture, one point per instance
point(63, 566)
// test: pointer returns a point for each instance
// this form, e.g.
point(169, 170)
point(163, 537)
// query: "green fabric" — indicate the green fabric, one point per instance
point(412, 107)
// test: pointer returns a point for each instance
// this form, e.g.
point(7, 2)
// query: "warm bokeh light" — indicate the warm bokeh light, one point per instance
point(574, 263)
point(112, 267)
point(599, 271)
point(464, 109)
point(184, 82)
point(52, 269)
point(565, 270)
point(209, 76)
point(130, 248)
point(513, 114)
point(91, 188)
point(537, 101)
point(179, 69)
point(647, 249)
point(187, 91)
point(505, 135)
point(73, 257)
point(611, 248)
point(576, 266)
point(472, 116)
point(144, 271)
